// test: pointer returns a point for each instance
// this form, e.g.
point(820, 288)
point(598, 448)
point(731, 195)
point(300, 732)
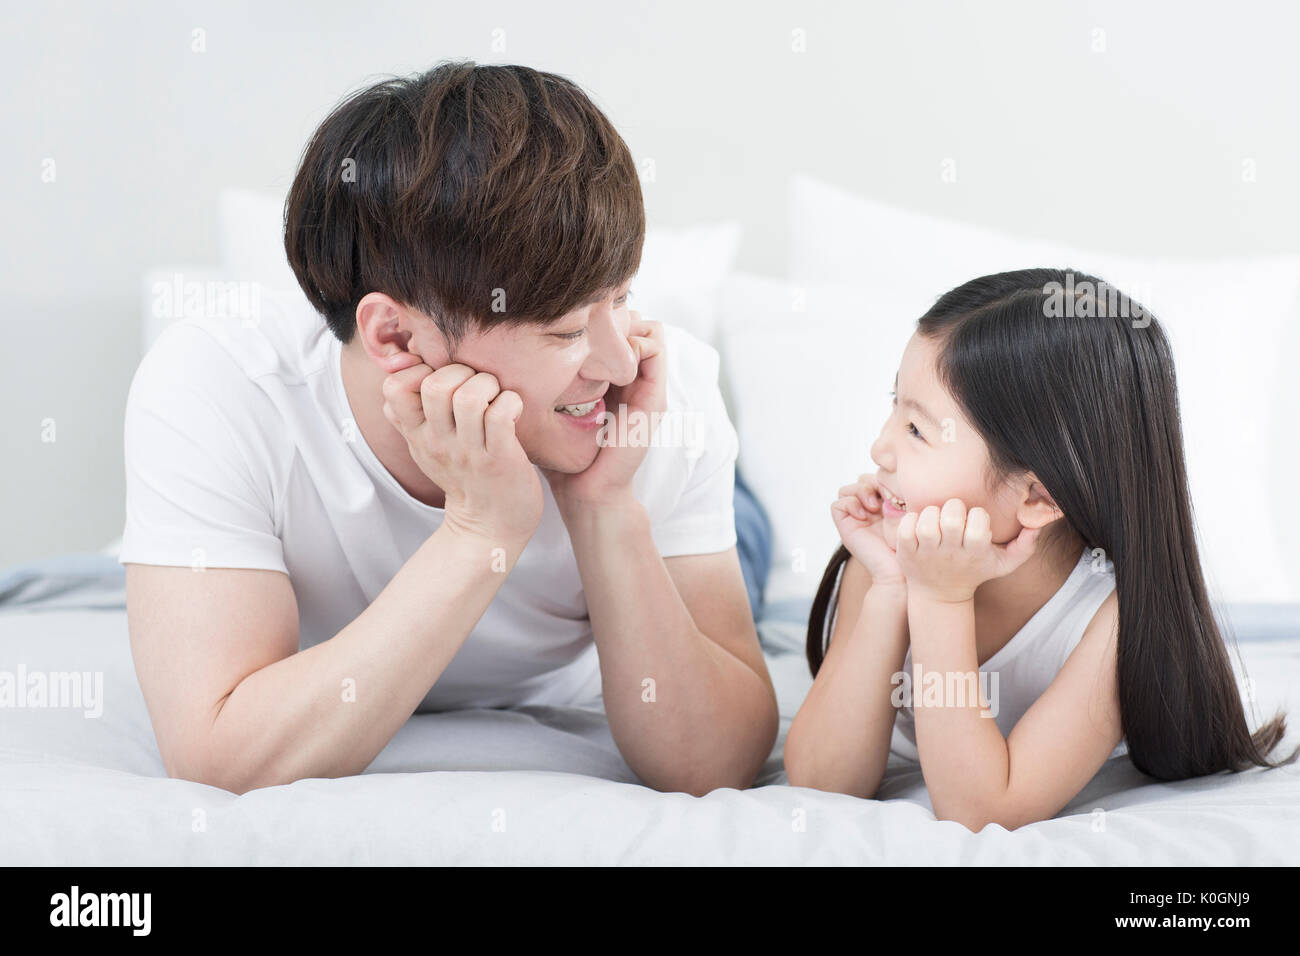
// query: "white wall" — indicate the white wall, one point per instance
point(1136, 148)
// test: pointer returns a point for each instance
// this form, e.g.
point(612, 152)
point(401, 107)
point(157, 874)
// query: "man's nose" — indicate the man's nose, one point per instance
point(611, 356)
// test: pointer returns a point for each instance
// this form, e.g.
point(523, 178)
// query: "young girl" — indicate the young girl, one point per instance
point(1018, 595)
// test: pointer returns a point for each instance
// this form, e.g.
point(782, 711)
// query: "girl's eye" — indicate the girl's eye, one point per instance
point(911, 429)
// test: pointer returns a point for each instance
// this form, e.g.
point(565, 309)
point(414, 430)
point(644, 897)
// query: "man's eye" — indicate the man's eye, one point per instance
point(622, 298)
point(570, 336)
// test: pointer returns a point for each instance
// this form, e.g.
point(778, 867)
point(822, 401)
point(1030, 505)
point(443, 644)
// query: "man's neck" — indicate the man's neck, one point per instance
point(363, 384)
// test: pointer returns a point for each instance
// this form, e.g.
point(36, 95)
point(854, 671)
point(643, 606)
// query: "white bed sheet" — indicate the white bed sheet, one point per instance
point(547, 785)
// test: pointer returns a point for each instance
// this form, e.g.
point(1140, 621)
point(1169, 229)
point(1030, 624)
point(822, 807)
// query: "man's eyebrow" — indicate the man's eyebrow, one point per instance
point(601, 296)
point(913, 403)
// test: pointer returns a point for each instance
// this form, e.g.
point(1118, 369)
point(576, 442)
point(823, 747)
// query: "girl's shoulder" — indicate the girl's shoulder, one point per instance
point(1103, 629)
point(1093, 667)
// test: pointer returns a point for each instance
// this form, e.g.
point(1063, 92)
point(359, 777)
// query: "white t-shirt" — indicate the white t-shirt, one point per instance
point(1024, 667)
point(241, 452)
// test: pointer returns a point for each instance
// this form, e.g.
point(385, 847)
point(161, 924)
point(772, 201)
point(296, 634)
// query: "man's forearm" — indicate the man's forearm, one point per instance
point(327, 711)
point(685, 712)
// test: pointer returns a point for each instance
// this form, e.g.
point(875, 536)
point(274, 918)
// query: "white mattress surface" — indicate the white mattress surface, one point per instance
point(547, 785)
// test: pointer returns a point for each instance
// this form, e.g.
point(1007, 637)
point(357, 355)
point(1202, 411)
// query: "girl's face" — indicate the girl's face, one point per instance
point(927, 452)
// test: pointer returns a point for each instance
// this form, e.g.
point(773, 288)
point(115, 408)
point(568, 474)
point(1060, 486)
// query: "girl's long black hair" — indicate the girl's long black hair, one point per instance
point(1065, 376)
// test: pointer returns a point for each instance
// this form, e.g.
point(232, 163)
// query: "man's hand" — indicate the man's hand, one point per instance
point(460, 427)
point(631, 409)
point(947, 555)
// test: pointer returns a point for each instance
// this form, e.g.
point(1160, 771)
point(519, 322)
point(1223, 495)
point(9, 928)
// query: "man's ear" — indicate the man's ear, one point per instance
point(1037, 509)
point(383, 326)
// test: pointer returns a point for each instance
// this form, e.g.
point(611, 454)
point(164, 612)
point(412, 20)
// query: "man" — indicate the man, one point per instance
point(420, 504)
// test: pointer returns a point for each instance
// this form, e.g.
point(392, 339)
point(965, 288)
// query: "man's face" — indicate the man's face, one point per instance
point(575, 360)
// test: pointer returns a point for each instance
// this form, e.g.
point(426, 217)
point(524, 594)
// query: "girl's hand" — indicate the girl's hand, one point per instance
point(858, 515)
point(947, 554)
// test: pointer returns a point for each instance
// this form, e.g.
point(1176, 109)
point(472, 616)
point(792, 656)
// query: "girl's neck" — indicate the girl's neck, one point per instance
point(1004, 605)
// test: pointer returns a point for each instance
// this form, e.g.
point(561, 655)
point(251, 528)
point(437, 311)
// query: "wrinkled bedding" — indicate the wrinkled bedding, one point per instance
point(546, 784)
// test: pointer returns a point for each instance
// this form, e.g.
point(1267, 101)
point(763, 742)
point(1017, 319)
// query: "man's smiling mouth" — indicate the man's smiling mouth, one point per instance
point(577, 411)
point(583, 409)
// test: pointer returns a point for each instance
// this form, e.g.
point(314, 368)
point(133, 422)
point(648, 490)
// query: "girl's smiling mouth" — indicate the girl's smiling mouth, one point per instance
point(892, 505)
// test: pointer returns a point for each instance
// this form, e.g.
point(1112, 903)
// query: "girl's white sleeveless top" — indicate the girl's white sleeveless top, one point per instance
point(1027, 663)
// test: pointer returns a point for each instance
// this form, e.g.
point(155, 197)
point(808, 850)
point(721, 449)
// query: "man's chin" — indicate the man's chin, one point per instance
point(566, 461)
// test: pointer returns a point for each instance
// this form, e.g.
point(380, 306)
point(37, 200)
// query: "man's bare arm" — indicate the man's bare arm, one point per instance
point(234, 703)
point(685, 624)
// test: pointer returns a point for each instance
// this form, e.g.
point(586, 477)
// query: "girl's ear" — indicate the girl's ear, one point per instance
point(1037, 509)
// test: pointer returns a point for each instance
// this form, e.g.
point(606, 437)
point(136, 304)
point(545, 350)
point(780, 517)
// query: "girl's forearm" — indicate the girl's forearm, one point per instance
point(963, 755)
point(839, 740)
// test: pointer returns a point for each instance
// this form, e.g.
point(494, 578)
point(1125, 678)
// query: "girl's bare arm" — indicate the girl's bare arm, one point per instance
point(839, 740)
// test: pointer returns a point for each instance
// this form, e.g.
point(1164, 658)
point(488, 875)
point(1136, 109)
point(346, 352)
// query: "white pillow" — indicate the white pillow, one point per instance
point(169, 293)
point(681, 272)
point(836, 236)
point(252, 237)
point(681, 268)
point(810, 368)
point(1229, 322)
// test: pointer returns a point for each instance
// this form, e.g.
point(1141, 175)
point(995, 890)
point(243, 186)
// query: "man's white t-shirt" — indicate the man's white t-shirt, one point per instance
point(242, 452)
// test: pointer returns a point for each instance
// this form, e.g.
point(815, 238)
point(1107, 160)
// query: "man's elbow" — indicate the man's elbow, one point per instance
point(702, 784)
point(195, 766)
point(195, 773)
point(706, 777)
point(975, 817)
point(736, 768)
point(766, 727)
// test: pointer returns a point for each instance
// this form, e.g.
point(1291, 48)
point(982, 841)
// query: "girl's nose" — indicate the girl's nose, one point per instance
point(881, 453)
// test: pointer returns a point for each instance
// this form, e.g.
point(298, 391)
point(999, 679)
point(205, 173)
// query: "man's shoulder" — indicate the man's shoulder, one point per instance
point(200, 367)
point(695, 426)
point(694, 386)
point(278, 336)
point(687, 479)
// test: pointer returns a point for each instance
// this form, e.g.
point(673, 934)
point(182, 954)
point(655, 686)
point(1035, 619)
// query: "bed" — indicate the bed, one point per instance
point(546, 785)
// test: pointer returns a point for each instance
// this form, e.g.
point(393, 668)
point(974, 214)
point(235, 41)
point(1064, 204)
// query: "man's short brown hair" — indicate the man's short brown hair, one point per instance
point(474, 194)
